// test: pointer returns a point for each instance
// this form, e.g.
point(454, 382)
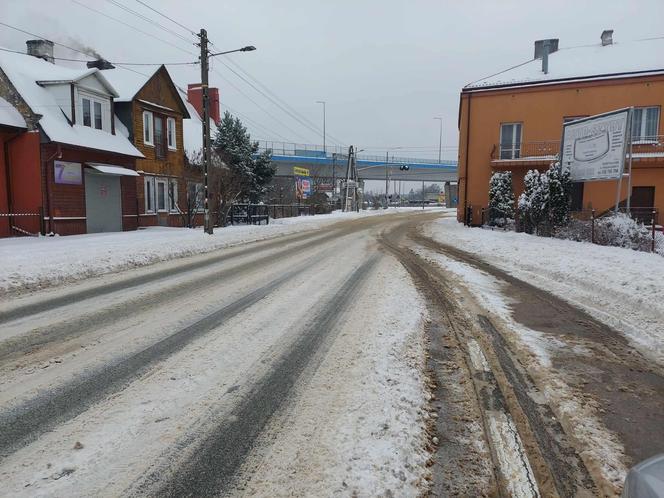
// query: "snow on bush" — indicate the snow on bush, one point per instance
point(545, 201)
point(620, 230)
point(501, 198)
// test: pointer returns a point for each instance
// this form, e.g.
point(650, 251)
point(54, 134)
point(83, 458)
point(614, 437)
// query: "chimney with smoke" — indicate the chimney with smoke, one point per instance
point(42, 49)
point(100, 64)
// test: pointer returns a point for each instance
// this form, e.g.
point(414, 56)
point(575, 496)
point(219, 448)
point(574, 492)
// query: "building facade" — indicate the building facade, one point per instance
point(67, 169)
point(513, 121)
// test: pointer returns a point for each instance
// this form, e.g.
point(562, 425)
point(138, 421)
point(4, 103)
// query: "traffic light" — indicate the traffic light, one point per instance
point(404, 167)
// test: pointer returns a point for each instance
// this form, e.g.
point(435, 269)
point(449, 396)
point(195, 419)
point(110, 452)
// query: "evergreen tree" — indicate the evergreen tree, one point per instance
point(533, 202)
point(501, 198)
point(560, 189)
point(233, 143)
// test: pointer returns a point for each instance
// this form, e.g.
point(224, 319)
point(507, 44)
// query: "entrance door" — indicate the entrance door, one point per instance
point(643, 197)
point(103, 203)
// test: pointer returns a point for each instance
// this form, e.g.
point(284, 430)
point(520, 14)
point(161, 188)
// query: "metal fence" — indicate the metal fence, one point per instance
point(256, 214)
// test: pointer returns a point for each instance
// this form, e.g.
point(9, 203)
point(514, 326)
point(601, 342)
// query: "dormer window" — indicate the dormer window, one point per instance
point(93, 114)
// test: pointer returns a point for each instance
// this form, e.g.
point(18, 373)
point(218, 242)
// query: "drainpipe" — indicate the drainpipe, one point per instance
point(56, 155)
point(465, 180)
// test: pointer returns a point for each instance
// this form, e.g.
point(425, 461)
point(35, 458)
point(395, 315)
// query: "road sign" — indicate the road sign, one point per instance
point(594, 148)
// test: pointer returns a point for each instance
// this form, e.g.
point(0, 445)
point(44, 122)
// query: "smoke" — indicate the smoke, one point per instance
point(74, 43)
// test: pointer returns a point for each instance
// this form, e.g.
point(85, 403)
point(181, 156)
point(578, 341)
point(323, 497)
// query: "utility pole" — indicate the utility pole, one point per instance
point(206, 126)
point(387, 181)
point(422, 194)
point(440, 140)
point(324, 148)
point(207, 146)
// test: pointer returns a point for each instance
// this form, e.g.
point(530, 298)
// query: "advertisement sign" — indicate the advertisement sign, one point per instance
point(303, 187)
point(325, 187)
point(68, 173)
point(297, 171)
point(594, 148)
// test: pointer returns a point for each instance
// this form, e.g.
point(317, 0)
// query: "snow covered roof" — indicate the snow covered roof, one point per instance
point(9, 116)
point(617, 60)
point(129, 82)
point(25, 71)
point(192, 128)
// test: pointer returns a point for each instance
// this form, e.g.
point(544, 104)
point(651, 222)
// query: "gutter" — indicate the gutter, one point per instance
point(465, 180)
point(56, 155)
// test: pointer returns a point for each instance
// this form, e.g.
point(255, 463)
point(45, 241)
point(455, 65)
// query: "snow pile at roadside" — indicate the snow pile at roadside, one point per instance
point(31, 263)
point(621, 287)
point(358, 426)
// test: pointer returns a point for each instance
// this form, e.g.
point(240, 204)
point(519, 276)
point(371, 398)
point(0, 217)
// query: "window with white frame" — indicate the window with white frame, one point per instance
point(149, 194)
point(162, 201)
point(645, 124)
point(148, 131)
point(172, 144)
point(92, 111)
point(510, 140)
point(173, 195)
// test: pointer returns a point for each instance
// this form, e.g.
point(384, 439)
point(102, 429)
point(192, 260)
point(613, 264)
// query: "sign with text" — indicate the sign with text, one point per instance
point(68, 173)
point(594, 148)
point(297, 171)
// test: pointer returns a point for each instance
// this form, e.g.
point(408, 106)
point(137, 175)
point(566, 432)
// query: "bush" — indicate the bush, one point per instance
point(620, 230)
point(501, 198)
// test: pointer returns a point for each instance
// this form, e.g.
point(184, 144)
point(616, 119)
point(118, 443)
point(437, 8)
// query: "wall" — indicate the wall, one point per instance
point(65, 204)
point(541, 110)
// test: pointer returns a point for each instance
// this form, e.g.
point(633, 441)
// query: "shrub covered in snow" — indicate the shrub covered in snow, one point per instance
point(501, 198)
point(545, 201)
point(620, 230)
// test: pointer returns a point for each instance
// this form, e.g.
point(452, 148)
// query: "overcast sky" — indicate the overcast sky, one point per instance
point(385, 67)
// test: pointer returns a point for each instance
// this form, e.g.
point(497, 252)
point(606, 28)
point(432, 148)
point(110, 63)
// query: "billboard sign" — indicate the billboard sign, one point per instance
point(594, 148)
point(68, 173)
point(297, 171)
point(303, 187)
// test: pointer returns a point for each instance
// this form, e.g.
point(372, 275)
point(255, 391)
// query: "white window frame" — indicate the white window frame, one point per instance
point(200, 195)
point(171, 134)
point(150, 129)
point(93, 114)
point(514, 153)
point(150, 193)
point(161, 181)
point(172, 203)
point(642, 137)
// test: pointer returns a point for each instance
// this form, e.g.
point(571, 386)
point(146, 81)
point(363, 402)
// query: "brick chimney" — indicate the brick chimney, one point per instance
point(195, 98)
point(42, 49)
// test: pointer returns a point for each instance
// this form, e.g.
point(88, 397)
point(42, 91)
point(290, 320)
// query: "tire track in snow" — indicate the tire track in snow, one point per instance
point(216, 461)
point(24, 423)
point(41, 337)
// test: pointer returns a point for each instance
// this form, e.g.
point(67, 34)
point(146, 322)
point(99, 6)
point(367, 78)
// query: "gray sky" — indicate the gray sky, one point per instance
point(385, 68)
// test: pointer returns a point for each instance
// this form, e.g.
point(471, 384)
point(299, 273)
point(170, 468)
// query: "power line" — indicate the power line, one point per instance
point(257, 104)
point(42, 38)
point(282, 101)
point(114, 62)
point(166, 17)
point(133, 27)
point(148, 20)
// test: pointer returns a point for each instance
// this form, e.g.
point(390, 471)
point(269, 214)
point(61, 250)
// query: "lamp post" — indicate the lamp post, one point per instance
point(440, 139)
point(323, 102)
point(207, 150)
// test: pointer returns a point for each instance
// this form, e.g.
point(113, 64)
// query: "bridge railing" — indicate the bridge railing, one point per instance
point(338, 152)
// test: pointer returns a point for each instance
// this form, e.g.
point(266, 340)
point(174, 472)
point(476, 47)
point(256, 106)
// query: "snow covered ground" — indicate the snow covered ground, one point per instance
point(31, 263)
point(620, 287)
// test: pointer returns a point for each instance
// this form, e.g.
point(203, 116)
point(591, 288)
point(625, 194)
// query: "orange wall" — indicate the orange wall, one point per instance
point(541, 110)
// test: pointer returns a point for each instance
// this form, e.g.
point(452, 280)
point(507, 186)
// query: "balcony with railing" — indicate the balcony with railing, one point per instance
point(544, 152)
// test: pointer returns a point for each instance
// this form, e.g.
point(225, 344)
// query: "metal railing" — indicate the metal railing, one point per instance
point(642, 147)
point(337, 151)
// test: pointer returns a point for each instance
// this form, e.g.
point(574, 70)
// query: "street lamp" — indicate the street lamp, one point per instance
point(440, 140)
point(207, 149)
point(323, 102)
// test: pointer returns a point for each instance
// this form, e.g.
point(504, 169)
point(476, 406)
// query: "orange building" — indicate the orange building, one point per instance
point(512, 121)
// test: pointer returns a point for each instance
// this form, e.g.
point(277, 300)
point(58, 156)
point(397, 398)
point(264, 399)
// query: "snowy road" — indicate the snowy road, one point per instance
point(225, 373)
